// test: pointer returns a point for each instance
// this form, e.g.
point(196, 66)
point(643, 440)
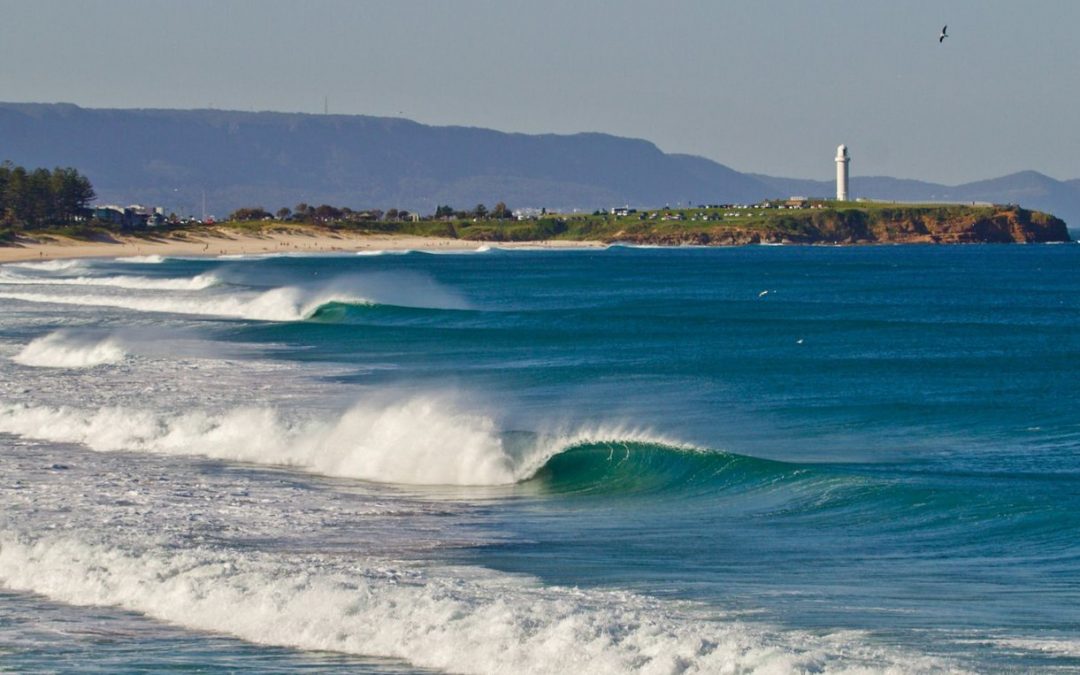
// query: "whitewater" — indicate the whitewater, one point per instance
point(604, 461)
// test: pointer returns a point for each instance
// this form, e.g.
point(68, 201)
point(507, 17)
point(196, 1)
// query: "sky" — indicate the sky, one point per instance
point(766, 86)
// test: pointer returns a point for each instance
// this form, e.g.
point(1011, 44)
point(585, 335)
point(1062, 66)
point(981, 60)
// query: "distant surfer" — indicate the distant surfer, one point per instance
point(941, 38)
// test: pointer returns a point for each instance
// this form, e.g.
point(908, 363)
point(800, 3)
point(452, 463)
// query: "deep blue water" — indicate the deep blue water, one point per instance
point(870, 452)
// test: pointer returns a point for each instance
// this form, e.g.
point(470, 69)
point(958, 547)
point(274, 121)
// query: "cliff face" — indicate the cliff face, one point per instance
point(1002, 226)
point(901, 225)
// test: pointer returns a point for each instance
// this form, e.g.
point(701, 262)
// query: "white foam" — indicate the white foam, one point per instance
point(196, 283)
point(462, 620)
point(287, 303)
point(49, 265)
point(423, 440)
point(418, 441)
point(1056, 647)
point(143, 259)
point(65, 350)
point(279, 304)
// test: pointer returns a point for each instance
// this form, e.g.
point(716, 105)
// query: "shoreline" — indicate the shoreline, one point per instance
point(218, 242)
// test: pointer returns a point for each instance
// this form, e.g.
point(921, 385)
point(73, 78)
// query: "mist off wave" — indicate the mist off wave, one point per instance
point(424, 440)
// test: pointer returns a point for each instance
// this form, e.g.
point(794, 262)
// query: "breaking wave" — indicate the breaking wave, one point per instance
point(423, 440)
point(626, 466)
point(465, 620)
point(279, 304)
point(286, 303)
point(196, 283)
point(381, 251)
point(49, 265)
point(66, 350)
point(154, 259)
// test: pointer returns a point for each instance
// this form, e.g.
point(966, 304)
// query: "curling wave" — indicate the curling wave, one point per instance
point(285, 303)
point(424, 440)
point(625, 467)
point(279, 304)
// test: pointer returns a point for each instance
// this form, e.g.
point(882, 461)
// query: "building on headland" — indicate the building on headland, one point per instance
point(842, 161)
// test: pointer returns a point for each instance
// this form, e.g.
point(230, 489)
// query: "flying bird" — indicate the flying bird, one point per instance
point(941, 38)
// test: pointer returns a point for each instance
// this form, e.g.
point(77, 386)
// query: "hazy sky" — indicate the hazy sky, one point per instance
point(770, 86)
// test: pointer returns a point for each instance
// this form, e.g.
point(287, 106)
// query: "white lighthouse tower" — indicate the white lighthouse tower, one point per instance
point(842, 161)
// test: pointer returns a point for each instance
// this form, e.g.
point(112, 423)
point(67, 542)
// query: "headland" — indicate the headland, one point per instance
point(790, 222)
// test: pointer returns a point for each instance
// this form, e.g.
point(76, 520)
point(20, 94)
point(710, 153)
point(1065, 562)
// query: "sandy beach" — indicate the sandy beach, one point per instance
point(220, 241)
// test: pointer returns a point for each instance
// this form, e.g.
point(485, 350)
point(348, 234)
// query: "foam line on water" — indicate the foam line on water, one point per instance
point(49, 265)
point(196, 283)
point(464, 620)
point(285, 303)
point(154, 259)
point(279, 304)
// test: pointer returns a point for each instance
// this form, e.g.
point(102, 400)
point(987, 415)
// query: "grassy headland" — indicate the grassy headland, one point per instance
point(819, 222)
point(816, 223)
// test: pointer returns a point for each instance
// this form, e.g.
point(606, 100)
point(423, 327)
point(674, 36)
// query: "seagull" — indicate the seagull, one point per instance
point(941, 38)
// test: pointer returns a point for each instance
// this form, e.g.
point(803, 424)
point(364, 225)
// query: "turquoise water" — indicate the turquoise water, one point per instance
point(662, 460)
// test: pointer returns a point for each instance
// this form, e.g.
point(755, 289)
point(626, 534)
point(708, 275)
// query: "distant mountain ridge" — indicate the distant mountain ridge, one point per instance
point(178, 158)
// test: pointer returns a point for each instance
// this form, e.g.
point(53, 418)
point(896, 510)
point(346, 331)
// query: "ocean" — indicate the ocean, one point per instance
point(734, 460)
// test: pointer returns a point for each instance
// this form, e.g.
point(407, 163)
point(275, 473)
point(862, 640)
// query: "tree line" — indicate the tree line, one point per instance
point(38, 198)
point(326, 214)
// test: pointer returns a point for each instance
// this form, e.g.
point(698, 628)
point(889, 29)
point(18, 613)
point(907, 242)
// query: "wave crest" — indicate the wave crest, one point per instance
point(423, 440)
point(65, 350)
point(49, 265)
point(285, 303)
point(196, 283)
point(279, 304)
point(154, 259)
point(463, 620)
point(419, 441)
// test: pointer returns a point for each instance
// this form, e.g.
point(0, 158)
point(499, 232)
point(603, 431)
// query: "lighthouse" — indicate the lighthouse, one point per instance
point(842, 161)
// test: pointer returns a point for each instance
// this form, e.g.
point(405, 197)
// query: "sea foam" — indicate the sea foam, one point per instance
point(464, 620)
point(285, 303)
point(196, 283)
point(49, 265)
point(154, 259)
point(422, 440)
point(418, 441)
point(279, 304)
point(66, 350)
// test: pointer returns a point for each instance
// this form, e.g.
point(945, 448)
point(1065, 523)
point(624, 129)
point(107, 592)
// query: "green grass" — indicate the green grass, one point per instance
point(830, 221)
